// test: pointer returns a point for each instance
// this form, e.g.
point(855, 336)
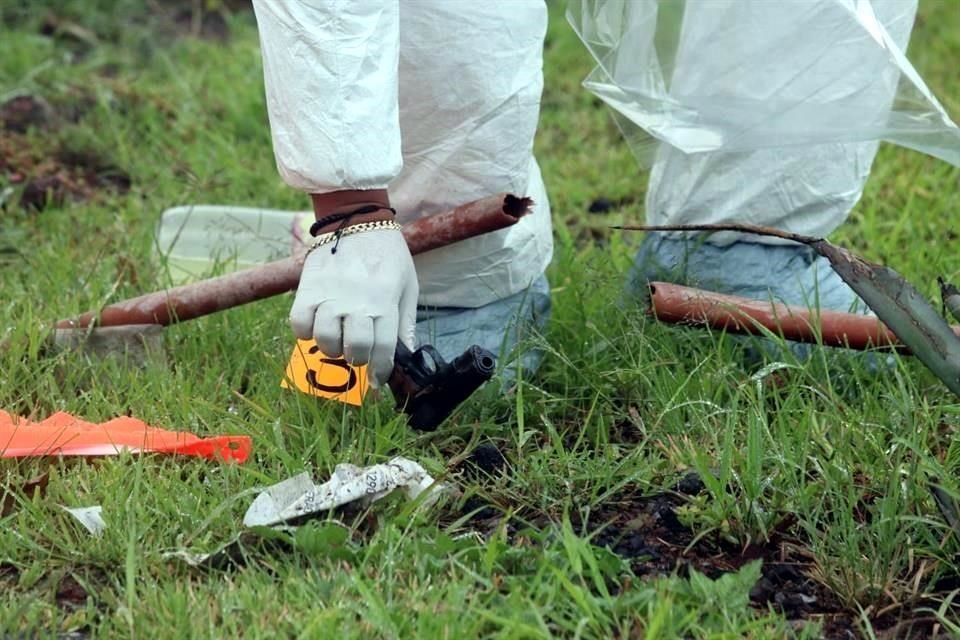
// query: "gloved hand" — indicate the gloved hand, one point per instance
point(358, 301)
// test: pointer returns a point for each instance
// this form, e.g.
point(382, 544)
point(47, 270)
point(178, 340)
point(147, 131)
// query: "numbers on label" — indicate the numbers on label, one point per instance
point(312, 374)
point(315, 373)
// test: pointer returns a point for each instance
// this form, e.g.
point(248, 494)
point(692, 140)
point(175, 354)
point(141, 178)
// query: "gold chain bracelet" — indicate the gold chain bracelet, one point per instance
point(379, 225)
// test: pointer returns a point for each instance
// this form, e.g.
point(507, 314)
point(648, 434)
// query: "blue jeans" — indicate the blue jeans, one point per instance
point(790, 274)
point(498, 326)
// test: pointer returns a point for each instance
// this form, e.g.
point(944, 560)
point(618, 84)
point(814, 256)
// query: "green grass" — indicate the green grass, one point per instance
point(831, 465)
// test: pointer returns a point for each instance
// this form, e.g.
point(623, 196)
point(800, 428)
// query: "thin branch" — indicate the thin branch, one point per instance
point(727, 226)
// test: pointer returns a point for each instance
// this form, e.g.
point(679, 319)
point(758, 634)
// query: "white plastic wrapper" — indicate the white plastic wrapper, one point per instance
point(90, 517)
point(739, 75)
point(299, 496)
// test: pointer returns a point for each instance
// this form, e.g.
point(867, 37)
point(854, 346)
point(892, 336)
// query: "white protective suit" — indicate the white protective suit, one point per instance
point(760, 111)
point(437, 100)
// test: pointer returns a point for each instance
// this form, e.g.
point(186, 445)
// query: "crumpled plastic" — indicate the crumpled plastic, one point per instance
point(740, 75)
point(275, 514)
point(90, 518)
point(298, 496)
point(65, 435)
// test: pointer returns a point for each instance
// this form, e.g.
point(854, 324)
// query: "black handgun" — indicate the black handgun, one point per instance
point(428, 388)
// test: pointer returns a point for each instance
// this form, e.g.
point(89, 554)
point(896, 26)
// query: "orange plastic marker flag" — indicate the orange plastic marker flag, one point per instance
point(65, 435)
point(312, 372)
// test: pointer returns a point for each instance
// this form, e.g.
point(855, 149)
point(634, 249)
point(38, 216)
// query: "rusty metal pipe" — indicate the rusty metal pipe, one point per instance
point(689, 306)
point(466, 221)
point(202, 298)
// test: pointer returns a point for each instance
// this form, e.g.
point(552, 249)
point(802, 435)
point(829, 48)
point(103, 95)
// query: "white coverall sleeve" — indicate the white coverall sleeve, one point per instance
point(330, 72)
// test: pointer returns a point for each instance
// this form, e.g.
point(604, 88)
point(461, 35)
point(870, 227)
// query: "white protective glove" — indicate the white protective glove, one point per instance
point(359, 301)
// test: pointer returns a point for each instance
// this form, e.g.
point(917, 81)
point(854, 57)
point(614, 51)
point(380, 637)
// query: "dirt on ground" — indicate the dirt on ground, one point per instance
point(38, 170)
point(646, 530)
point(41, 167)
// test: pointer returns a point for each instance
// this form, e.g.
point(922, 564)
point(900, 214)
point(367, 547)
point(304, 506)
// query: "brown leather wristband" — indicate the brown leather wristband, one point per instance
point(325, 204)
point(329, 205)
point(374, 216)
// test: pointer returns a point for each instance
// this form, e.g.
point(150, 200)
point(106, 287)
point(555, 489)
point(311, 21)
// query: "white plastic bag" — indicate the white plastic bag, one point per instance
point(741, 75)
point(196, 240)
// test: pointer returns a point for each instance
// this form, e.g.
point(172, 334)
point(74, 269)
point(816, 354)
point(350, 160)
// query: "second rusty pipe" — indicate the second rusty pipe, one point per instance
point(690, 306)
point(197, 299)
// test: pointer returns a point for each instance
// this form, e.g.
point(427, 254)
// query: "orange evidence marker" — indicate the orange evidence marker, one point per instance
point(312, 372)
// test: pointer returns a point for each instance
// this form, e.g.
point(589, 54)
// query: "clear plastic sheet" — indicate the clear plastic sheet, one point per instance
point(741, 75)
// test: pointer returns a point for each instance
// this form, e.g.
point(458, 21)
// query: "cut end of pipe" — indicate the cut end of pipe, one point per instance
point(516, 207)
point(649, 298)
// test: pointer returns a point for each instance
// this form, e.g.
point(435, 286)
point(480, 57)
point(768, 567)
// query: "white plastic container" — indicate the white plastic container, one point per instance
point(199, 241)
